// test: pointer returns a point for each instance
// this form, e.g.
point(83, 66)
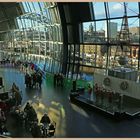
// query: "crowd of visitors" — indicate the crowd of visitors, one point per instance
point(33, 80)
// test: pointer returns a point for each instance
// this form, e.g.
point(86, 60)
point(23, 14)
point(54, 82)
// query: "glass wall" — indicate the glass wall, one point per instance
point(114, 32)
point(38, 37)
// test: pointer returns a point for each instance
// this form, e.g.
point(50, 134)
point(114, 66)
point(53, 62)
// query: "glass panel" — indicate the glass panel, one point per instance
point(115, 28)
point(31, 6)
point(25, 7)
point(38, 35)
point(19, 23)
point(93, 55)
point(134, 29)
point(94, 33)
point(42, 5)
point(132, 8)
point(99, 10)
point(37, 8)
point(88, 55)
point(116, 9)
point(86, 73)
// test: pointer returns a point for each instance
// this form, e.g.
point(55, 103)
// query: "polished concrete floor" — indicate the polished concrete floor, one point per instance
point(71, 120)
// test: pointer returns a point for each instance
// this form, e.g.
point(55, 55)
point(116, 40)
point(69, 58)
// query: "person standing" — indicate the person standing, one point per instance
point(55, 79)
point(89, 91)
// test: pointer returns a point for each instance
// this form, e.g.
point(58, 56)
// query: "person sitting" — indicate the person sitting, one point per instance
point(34, 114)
point(2, 116)
point(31, 114)
point(45, 120)
point(3, 128)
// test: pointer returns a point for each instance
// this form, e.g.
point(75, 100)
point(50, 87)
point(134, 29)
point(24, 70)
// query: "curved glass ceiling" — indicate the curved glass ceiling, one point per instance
point(38, 37)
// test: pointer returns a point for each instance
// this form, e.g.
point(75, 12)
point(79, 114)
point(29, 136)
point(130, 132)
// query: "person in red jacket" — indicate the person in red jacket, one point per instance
point(32, 66)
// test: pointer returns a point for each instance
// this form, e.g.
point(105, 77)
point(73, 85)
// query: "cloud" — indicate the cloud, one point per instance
point(117, 6)
point(116, 10)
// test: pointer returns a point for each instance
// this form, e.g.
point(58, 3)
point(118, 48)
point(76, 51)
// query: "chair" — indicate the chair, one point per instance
point(51, 130)
point(4, 96)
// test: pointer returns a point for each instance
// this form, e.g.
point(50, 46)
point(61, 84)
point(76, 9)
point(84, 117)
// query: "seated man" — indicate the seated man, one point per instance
point(2, 116)
point(45, 119)
point(31, 114)
point(3, 128)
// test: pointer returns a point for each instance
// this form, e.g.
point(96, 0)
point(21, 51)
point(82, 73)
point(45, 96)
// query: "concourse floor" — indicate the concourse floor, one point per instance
point(71, 120)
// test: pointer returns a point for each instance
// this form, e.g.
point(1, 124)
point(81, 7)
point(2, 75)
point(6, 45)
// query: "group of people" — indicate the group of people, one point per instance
point(5, 61)
point(29, 120)
point(14, 99)
point(58, 79)
point(7, 104)
point(33, 80)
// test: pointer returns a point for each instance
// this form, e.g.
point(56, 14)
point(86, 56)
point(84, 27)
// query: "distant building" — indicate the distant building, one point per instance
point(134, 30)
point(100, 33)
point(112, 30)
point(134, 34)
point(91, 28)
point(94, 36)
